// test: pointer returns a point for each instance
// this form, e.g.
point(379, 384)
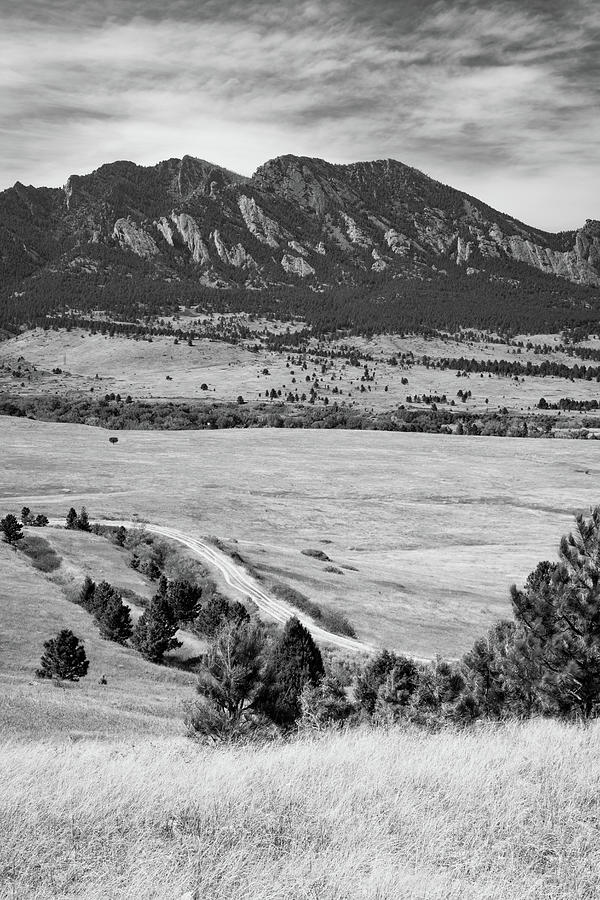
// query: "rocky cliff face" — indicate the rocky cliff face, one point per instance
point(297, 220)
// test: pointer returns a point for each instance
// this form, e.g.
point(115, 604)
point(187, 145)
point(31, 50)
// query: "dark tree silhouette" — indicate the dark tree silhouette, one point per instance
point(154, 632)
point(294, 661)
point(63, 658)
point(11, 529)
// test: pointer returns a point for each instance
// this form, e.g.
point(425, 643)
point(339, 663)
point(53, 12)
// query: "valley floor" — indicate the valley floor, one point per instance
point(424, 533)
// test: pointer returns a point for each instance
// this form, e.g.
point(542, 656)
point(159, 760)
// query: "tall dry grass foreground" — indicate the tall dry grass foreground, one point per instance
point(495, 813)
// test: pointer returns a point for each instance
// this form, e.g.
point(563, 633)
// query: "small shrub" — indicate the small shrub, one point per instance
point(316, 554)
point(42, 555)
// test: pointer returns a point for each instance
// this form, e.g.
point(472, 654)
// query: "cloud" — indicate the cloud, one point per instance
point(479, 94)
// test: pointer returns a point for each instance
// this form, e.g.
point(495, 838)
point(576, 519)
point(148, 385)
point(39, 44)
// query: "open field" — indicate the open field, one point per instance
point(139, 698)
point(162, 370)
point(508, 812)
point(436, 527)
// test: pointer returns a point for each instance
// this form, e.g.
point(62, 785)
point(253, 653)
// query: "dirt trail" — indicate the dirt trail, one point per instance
point(240, 581)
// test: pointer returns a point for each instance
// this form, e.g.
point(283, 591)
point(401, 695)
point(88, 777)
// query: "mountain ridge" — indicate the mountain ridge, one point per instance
point(297, 221)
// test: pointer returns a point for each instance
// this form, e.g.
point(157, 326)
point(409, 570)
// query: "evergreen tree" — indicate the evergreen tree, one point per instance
point(230, 676)
point(215, 612)
point(71, 520)
point(325, 704)
point(26, 517)
point(294, 661)
point(372, 677)
point(115, 620)
point(487, 668)
point(82, 522)
point(11, 528)
point(396, 692)
point(64, 658)
point(103, 594)
point(86, 594)
point(558, 621)
point(184, 599)
point(154, 632)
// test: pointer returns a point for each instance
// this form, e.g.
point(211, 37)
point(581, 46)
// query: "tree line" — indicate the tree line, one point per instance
point(121, 413)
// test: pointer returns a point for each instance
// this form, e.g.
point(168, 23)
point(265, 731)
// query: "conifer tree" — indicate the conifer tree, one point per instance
point(99, 599)
point(115, 620)
point(558, 619)
point(86, 594)
point(11, 528)
point(371, 678)
point(154, 632)
point(64, 658)
point(83, 523)
point(230, 676)
point(71, 520)
point(294, 661)
point(184, 598)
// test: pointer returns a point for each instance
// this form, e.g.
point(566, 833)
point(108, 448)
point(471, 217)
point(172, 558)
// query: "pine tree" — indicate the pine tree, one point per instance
point(487, 670)
point(558, 623)
point(371, 678)
point(99, 599)
point(325, 704)
point(71, 520)
point(115, 620)
point(83, 523)
point(154, 632)
point(86, 594)
point(26, 517)
point(184, 599)
point(230, 676)
point(295, 660)
point(11, 528)
point(64, 658)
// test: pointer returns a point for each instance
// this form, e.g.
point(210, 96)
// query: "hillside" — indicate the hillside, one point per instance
point(496, 812)
point(139, 697)
point(360, 245)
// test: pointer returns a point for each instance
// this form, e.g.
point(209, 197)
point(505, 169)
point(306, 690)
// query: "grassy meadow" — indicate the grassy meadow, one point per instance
point(434, 527)
point(505, 813)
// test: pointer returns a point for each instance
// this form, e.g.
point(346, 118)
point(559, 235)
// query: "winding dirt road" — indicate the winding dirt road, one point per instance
point(238, 579)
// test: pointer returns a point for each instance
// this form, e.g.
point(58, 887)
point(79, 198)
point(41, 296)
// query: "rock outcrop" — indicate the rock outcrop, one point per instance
point(294, 218)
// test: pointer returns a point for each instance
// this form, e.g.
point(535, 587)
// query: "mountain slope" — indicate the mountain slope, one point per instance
point(297, 221)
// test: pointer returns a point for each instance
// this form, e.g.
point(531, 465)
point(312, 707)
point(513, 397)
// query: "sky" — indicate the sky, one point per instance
point(500, 98)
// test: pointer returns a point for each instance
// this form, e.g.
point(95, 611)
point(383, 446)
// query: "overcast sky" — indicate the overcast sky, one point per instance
point(500, 99)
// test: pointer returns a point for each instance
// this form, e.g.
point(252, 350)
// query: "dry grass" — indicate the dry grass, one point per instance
point(502, 814)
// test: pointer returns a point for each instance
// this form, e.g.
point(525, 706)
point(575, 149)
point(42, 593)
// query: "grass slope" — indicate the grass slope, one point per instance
point(507, 813)
point(139, 698)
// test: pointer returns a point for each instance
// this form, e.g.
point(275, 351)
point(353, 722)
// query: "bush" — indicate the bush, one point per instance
point(316, 554)
point(42, 555)
point(330, 619)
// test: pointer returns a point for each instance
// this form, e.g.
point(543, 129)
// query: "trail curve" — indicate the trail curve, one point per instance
point(239, 580)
